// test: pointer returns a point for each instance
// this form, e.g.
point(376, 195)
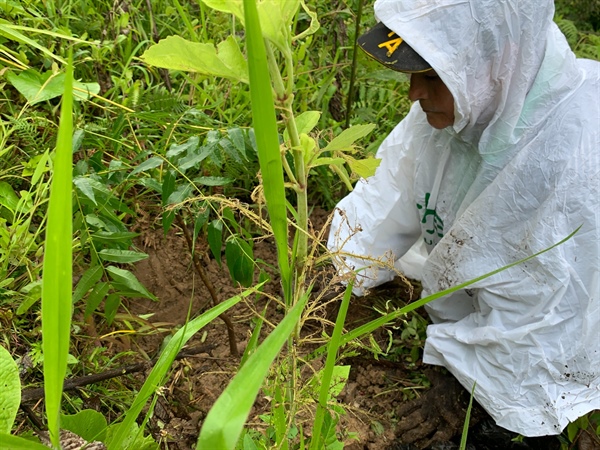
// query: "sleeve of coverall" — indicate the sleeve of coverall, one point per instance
point(378, 220)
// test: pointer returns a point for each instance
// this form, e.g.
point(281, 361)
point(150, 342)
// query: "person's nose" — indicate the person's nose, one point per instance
point(418, 88)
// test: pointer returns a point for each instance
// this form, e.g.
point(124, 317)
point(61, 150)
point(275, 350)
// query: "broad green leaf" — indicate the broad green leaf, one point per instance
point(327, 161)
point(151, 163)
point(305, 123)
point(168, 186)
point(267, 137)
point(240, 260)
point(121, 256)
point(57, 276)
point(189, 146)
point(225, 420)
point(95, 298)
point(89, 279)
point(134, 437)
point(111, 306)
point(10, 442)
point(180, 194)
point(215, 239)
point(11, 390)
point(88, 424)
point(114, 237)
point(176, 53)
point(127, 279)
point(348, 137)
point(363, 167)
point(84, 184)
point(33, 293)
point(8, 197)
point(193, 159)
point(156, 377)
point(236, 136)
point(38, 87)
point(275, 17)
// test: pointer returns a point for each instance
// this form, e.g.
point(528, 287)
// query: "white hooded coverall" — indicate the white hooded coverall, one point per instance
point(517, 172)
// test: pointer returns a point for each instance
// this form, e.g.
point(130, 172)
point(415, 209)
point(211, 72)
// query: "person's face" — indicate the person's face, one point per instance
point(434, 97)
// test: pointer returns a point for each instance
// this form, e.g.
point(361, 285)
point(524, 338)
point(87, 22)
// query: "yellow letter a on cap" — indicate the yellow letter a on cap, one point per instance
point(391, 45)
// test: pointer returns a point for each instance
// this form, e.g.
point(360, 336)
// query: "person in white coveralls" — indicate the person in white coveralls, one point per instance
point(498, 158)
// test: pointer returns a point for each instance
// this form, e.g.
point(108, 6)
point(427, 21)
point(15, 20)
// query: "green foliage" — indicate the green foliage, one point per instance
point(57, 272)
point(151, 144)
point(11, 391)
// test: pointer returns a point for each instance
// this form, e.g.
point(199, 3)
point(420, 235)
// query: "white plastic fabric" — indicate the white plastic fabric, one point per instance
point(517, 172)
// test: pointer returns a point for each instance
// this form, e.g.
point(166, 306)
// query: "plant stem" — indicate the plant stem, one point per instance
point(354, 58)
point(285, 97)
point(211, 289)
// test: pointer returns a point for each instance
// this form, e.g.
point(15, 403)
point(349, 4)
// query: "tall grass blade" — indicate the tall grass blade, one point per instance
point(163, 365)
point(465, 431)
point(267, 138)
point(224, 422)
point(57, 270)
point(334, 345)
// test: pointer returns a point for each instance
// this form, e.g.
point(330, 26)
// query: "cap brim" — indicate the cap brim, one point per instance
point(385, 46)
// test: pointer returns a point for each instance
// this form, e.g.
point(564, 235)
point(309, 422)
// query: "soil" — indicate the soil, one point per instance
point(379, 391)
point(372, 393)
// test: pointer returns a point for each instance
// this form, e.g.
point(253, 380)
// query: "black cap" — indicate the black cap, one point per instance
point(385, 46)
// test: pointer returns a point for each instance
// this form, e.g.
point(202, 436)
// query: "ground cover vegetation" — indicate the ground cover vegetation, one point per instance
point(225, 123)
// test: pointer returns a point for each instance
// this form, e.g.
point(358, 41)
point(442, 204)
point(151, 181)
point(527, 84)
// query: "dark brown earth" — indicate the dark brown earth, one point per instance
point(375, 389)
point(387, 398)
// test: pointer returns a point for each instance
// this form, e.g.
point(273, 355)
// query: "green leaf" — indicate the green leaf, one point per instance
point(240, 260)
point(114, 237)
point(189, 147)
point(11, 390)
point(265, 126)
point(8, 197)
point(10, 442)
point(327, 376)
point(38, 87)
point(57, 276)
point(215, 238)
point(156, 377)
point(88, 424)
point(363, 167)
point(151, 163)
point(121, 256)
point(275, 16)
point(305, 123)
point(348, 137)
point(111, 306)
point(6, 30)
point(33, 293)
point(327, 161)
point(168, 186)
point(134, 437)
point(87, 281)
point(176, 53)
point(84, 184)
point(125, 278)
point(225, 420)
point(96, 297)
point(213, 181)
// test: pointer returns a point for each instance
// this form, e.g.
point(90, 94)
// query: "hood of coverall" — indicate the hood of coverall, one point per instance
point(487, 52)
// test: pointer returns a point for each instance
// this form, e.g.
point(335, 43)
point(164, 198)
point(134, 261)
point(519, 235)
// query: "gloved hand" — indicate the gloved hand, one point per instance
point(437, 415)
